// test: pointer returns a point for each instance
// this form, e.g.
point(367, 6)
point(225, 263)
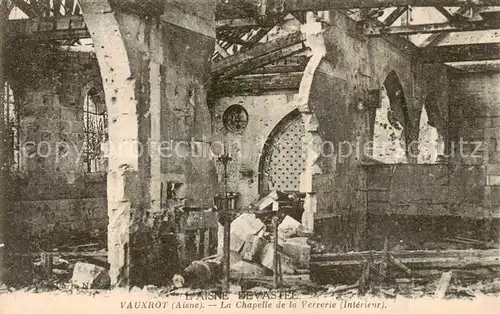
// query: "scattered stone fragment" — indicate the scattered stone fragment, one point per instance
point(300, 240)
point(288, 227)
point(252, 248)
point(244, 268)
point(299, 253)
point(150, 288)
point(90, 276)
point(242, 227)
point(267, 260)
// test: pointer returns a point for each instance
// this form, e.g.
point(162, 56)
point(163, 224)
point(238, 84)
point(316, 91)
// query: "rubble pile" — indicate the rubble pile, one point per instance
point(252, 250)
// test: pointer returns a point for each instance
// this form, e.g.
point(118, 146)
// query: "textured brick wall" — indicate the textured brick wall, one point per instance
point(423, 204)
point(52, 198)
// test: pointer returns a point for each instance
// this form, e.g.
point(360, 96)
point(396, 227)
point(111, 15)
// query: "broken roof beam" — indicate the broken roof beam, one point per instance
point(396, 14)
point(321, 5)
point(252, 7)
point(56, 28)
point(444, 12)
point(257, 84)
point(458, 53)
point(431, 28)
point(237, 23)
point(27, 8)
point(259, 55)
point(436, 38)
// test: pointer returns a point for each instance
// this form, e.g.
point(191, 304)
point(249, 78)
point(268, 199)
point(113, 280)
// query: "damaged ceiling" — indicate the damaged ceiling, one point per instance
point(463, 34)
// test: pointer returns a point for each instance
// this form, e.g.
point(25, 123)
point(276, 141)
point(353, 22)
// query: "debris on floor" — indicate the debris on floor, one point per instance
point(91, 276)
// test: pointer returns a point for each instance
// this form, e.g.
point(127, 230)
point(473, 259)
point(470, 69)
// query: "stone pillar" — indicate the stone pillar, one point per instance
point(152, 68)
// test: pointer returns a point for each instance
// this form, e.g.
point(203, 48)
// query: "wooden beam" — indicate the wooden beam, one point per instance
point(396, 14)
point(424, 259)
point(435, 39)
point(221, 50)
point(240, 60)
point(69, 5)
point(257, 62)
point(232, 39)
point(321, 5)
point(432, 28)
point(291, 6)
point(476, 67)
point(457, 53)
point(285, 65)
point(56, 28)
point(397, 41)
point(27, 9)
point(236, 23)
point(257, 84)
point(444, 12)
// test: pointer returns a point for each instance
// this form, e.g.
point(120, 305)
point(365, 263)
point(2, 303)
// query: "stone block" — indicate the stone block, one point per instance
point(288, 227)
point(90, 276)
point(493, 180)
point(242, 227)
point(252, 248)
point(299, 240)
point(267, 260)
point(299, 253)
point(244, 268)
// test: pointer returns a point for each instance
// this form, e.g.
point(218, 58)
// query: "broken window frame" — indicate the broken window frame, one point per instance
point(11, 120)
point(95, 125)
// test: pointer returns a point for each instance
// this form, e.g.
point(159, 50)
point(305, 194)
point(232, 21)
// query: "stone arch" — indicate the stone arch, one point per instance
point(284, 147)
point(121, 105)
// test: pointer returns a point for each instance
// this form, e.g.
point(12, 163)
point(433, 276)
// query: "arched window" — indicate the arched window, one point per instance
point(430, 141)
point(391, 123)
point(11, 121)
point(95, 128)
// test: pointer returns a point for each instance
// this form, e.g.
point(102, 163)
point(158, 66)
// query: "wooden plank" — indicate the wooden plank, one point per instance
point(457, 53)
point(444, 12)
point(396, 14)
point(396, 41)
point(261, 61)
point(257, 51)
point(257, 84)
point(399, 264)
point(236, 23)
point(27, 9)
point(435, 39)
point(69, 7)
point(285, 65)
point(442, 285)
point(465, 26)
point(321, 5)
point(57, 4)
point(221, 51)
point(412, 259)
point(62, 27)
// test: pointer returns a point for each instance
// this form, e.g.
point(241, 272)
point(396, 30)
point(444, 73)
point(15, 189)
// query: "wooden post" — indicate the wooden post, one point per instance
point(276, 258)
point(47, 264)
point(442, 285)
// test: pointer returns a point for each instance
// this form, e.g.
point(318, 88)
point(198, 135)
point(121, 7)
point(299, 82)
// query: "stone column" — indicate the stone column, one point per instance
point(152, 68)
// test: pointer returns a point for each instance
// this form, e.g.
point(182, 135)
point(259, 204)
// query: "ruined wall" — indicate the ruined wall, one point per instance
point(264, 113)
point(419, 206)
point(353, 66)
point(457, 198)
point(52, 198)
